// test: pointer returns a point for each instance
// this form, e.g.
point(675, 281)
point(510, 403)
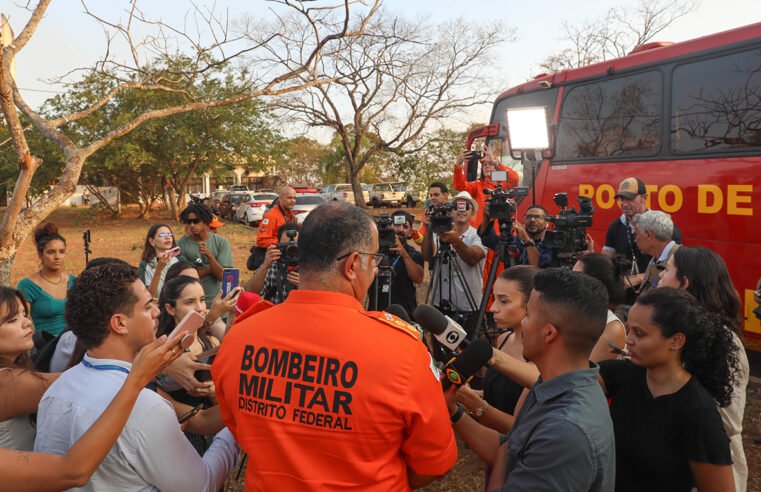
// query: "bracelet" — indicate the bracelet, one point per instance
point(528, 244)
point(480, 411)
point(455, 417)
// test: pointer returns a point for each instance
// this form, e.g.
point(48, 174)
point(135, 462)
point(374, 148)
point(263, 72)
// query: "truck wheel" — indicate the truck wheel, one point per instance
point(375, 203)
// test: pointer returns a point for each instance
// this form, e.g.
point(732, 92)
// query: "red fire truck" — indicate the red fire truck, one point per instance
point(684, 117)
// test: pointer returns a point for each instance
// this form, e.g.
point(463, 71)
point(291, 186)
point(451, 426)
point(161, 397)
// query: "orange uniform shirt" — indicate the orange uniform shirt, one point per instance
point(324, 396)
point(476, 188)
point(271, 222)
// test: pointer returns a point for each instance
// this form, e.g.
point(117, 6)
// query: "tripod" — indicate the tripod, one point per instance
point(445, 258)
point(382, 286)
point(506, 244)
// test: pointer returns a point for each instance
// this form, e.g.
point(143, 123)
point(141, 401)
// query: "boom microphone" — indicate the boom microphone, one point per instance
point(459, 370)
point(445, 329)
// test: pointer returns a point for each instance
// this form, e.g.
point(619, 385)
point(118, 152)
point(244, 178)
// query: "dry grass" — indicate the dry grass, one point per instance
point(124, 238)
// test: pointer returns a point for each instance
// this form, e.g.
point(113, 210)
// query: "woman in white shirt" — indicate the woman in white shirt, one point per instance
point(703, 273)
point(20, 387)
point(159, 253)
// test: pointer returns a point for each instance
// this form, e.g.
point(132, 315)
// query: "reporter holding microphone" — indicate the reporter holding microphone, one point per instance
point(562, 438)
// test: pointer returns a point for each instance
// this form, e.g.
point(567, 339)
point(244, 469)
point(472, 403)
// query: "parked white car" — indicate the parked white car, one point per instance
point(384, 195)
point(305, 203)
point(251, 211)
point(341, 193)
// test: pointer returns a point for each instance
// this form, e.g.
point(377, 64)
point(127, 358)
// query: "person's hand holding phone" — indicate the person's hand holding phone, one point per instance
point(222, 305)
point(183, 370)
point(154, 357)
point(203, 248)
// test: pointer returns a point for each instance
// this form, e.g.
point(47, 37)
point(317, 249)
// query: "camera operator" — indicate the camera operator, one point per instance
point(528, 238)
point(438, 194)
point(278, 275)
point(406, 266)
point(476, 188)
point(470, 255)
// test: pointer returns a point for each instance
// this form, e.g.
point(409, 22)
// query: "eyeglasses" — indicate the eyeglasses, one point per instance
point(377, 257)
point(533, 217)
point(191, 221)
point(166, 234)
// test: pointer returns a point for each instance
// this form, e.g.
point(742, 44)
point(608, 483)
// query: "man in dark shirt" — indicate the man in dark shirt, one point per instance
point(619, 240)
point(406, 264)
point(528, 239)
point(562, 439)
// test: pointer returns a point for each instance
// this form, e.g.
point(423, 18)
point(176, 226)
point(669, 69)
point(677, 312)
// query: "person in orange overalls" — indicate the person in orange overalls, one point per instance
point(324, 395)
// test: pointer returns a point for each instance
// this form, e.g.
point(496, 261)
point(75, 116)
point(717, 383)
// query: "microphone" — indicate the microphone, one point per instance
point(459, 370)
point(445, 329)
point(401, 313)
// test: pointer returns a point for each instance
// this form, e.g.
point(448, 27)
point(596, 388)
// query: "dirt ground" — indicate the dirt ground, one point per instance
point(124, 238)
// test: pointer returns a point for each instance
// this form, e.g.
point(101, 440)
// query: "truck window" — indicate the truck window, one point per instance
point(716, 104)
point(612, 118)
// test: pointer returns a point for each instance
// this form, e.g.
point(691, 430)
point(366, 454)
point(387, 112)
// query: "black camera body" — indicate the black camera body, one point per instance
point(441, 221)
point(570, 233)
point(289, 250)
point(386, 233)
point(502, 206)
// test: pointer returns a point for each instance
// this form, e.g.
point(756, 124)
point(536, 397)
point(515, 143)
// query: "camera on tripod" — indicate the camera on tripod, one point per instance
point(502, 204)
point(441, 221)
point(289, 250)
point(570, 233)
point(386, 233)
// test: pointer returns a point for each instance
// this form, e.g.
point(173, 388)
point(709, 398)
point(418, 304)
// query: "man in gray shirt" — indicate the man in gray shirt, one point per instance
point(562, 438)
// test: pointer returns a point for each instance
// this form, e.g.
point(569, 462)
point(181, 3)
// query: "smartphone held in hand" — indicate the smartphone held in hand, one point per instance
point(230, 280)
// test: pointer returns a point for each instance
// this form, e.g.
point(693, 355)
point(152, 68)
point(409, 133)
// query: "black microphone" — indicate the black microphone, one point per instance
point(401, 313)
point(445, 329)
point(459, 370)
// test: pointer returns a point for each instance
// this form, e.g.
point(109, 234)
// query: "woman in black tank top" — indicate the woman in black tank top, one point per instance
point(501, 394)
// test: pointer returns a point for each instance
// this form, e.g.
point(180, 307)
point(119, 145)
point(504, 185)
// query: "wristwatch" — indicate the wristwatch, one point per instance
point(455, 417)
point(529, 243)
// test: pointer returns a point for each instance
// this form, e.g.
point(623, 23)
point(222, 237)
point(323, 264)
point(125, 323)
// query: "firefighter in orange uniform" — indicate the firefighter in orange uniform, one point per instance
point(476, 188)
point(275, 217)
point(322, 394)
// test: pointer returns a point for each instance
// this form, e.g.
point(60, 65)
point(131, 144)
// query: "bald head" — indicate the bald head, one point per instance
point(287, 197)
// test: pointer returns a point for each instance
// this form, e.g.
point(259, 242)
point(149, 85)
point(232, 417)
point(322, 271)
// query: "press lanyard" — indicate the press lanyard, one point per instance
point(105, 367)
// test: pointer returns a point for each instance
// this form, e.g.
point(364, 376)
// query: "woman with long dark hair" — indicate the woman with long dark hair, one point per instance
point(20, 387)
point(611, 274)
point(501, 394)
point(46, 289)
point(158, 256)
point(669, 435)
point(703, 273)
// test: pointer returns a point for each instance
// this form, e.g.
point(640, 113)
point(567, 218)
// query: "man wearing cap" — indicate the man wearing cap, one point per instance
point(406, 269)
point(620, 239)
point(476, 188)
point(448, 293)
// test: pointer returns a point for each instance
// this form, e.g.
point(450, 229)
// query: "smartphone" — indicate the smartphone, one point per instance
point(190, 324)
point(230, 280)
point(497, 176)
point(189, 415)
point(618, 349)
point(173, 252)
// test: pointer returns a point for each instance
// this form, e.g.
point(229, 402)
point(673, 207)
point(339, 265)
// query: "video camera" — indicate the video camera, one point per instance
point(501, 204)
point(289, 250)
point(570, 233)
point(386, 233)
point(441, 221)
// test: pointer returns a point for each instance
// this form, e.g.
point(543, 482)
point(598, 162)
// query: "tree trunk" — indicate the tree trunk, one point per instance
point(6, 265)
point(359, 198)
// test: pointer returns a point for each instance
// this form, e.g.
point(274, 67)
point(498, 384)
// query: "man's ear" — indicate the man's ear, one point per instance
point(550, 333)
point(118, 324)
point(351, 267)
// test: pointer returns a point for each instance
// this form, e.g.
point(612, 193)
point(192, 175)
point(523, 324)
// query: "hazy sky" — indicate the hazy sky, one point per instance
point(66, 38)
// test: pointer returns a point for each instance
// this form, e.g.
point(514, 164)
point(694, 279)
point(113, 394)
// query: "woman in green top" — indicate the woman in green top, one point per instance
point(46, 289)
